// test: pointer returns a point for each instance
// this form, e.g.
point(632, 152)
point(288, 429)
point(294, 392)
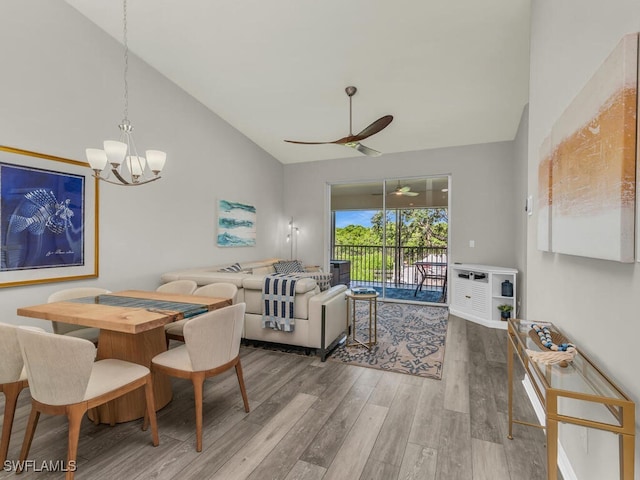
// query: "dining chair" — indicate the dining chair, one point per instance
point(65, 380)
point(69, 329)
point(174, 330)
point(212, 346)
point(13, 379)
point(183, 287)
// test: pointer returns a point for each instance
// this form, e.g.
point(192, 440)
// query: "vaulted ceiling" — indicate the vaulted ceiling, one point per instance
point(450, 72)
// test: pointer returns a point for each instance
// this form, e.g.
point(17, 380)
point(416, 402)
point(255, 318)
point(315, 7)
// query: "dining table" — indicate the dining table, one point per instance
point(131, 324)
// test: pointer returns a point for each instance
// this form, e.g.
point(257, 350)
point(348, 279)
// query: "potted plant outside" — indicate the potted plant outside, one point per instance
point(505, 311)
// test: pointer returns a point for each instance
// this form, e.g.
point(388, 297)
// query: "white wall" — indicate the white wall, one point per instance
point(482, 197)
point(61, 91)
point(595, 302)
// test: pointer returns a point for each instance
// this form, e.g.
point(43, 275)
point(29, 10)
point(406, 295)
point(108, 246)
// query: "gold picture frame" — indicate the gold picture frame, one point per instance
point(49, 219)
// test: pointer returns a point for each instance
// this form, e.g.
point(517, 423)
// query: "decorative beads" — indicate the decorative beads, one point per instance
point(545, 338)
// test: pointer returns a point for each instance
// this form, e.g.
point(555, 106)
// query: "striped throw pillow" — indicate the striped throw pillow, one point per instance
point(232, 268)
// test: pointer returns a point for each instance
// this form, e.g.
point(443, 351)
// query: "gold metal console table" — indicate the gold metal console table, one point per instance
point(579, 387)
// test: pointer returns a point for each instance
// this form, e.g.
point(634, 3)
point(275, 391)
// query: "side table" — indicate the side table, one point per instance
point(372, 299)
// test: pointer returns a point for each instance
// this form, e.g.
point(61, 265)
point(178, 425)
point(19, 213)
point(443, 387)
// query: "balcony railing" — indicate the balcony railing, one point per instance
point(399, 270)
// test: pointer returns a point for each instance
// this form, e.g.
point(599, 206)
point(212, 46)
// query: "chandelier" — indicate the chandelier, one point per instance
point(127, 167)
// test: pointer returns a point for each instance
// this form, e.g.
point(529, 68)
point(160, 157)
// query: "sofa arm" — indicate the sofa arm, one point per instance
point(330, 306)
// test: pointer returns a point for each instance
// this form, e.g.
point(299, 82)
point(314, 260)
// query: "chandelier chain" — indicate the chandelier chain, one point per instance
point(126, 66)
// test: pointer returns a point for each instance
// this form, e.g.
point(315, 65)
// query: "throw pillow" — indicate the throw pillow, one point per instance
point(232, 268)
point(293, 266)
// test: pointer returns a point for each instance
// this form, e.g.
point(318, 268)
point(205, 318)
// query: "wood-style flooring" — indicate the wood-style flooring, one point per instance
point(312, 420)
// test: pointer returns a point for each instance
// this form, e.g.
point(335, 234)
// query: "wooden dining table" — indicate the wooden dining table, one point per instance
point(131, 327)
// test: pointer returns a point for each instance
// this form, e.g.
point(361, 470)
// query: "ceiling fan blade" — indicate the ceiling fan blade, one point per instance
point(410, 194)
point(366, 150)
point(374, 128)
point(308, 143)
point(404, 189)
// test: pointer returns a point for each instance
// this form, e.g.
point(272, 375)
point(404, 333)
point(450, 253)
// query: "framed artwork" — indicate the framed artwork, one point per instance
point(592, 157)
point(236, 224)
point(48, 219)
point(544, 196)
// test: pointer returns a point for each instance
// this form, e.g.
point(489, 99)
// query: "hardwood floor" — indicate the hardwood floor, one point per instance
point(312, 420)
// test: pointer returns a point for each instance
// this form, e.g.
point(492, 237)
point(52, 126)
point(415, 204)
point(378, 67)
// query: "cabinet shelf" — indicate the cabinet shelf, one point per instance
point(477, 299)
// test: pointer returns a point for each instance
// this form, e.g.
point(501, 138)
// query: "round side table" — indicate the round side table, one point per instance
point(372, 299)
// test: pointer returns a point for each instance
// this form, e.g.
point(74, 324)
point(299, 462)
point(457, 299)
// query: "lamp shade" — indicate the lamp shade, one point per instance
point(115, 152)
point(97, 158)
point(156, 159)
point(136, 165)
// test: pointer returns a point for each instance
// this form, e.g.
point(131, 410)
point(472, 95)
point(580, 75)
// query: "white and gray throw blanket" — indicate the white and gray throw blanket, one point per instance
point(278, 294)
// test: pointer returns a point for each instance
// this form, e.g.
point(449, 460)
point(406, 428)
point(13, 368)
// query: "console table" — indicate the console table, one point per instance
point(579, 394)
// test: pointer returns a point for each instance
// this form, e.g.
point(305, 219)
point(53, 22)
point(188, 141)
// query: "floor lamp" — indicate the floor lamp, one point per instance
point(292, 239)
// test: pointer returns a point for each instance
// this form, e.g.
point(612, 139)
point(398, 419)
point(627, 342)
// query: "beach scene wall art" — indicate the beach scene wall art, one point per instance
point(236, 224)
point(592, 158)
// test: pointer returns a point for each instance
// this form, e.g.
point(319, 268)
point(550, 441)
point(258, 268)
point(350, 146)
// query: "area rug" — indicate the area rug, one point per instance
point(411, 339)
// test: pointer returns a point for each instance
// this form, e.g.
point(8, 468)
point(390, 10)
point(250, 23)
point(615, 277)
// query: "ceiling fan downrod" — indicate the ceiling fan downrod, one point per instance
point(351, 91)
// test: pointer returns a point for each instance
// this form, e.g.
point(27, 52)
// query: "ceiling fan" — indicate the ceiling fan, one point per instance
point(404, 191)
point(352, 140)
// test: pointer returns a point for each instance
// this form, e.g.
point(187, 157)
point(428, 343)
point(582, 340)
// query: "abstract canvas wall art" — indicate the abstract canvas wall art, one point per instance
point(544, 196)
point(236, 224)
point(592, 155)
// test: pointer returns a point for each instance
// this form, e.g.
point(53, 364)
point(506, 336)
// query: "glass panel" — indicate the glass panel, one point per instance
point(385, 228)
point(578, 376)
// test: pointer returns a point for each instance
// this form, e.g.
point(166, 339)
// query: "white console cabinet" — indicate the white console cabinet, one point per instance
point(477, 292)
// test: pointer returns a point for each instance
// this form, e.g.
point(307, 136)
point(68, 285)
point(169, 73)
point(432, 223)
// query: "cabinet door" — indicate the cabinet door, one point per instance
point(462, 294)
point(480, 299)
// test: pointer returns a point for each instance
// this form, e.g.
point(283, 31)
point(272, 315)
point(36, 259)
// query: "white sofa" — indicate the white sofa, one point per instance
point(320, 316)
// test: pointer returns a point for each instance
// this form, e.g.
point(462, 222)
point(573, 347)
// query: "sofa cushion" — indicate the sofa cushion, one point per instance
point(322, 279)
point(255, 282)
point(292, 266)
point(266, 270)
point(255, 303)
point(205, 278)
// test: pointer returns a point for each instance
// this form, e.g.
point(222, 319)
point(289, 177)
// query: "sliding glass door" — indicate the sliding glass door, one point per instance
point(395, 235)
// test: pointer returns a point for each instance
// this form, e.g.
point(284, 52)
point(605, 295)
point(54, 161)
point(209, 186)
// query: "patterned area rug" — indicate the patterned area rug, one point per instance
point(411, 339)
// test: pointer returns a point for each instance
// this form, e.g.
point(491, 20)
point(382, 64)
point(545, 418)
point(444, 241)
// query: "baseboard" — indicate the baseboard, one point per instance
point(475, 319)
point(563, 461)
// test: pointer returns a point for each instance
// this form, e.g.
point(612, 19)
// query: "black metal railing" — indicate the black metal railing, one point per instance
point(399, 269)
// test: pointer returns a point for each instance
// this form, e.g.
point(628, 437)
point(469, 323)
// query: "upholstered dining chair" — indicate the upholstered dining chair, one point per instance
point(173, 331)
point(65, 380)
point(78, 331)
point(183, 287)
point(13, 379)
point(212, 346)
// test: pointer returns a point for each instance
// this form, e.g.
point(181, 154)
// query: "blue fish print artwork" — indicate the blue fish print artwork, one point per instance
point(40, 227)
point(42, 211)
